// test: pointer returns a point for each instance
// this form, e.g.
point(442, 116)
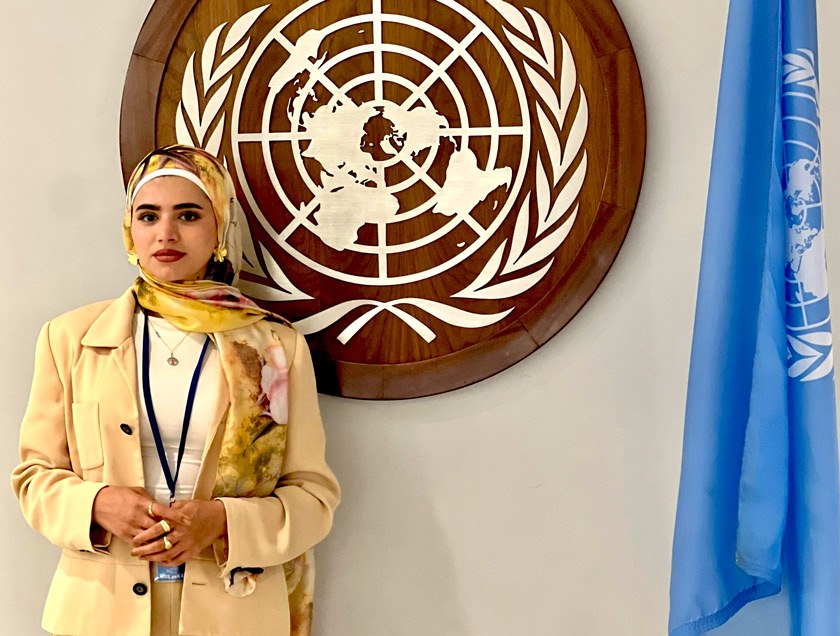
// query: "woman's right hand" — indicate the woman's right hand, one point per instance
point(124, 512)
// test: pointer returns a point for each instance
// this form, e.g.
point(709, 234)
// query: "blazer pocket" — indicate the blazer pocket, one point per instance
point(88, 434)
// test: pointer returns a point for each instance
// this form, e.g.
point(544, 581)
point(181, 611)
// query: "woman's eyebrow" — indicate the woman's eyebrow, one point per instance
point(177, 206)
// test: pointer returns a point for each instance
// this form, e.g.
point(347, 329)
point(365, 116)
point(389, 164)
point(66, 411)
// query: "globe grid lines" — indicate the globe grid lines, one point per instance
point(318, 74)
point(355, 82)
point(458, 47)
point(378, 63)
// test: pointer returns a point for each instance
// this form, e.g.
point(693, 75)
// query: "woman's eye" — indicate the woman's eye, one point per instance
point(146, 217)
point(190, 216)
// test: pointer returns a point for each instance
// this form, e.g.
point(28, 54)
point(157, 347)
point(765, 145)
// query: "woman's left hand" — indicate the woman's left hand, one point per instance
point(194, 525)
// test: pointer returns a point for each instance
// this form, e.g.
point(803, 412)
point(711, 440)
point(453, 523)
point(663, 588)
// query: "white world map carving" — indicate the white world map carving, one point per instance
point(349, 190)
point(353, 190)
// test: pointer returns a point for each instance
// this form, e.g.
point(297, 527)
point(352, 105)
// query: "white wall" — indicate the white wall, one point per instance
point(540, 501)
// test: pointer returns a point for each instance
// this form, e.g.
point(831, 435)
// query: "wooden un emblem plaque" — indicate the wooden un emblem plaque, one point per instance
point(433, 189)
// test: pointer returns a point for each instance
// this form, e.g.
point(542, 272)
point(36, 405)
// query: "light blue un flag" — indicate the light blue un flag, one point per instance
point(758, 502)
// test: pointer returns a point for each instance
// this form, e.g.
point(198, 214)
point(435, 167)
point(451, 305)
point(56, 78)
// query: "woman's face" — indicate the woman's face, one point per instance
point(173, 228)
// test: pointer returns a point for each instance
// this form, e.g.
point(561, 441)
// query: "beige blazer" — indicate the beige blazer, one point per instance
point(80, 433)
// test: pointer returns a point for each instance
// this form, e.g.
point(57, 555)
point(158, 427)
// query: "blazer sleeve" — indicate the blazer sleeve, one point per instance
point(268, 531)
point(55, 501)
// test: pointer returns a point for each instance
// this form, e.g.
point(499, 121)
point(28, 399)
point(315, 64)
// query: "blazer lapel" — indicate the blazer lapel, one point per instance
point(112, 330)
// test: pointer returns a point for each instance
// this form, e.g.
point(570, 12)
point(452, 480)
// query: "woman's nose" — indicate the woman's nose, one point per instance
point(167, 231)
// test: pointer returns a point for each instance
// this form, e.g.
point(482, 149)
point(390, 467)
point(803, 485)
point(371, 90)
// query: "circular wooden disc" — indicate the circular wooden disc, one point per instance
point(433, 190)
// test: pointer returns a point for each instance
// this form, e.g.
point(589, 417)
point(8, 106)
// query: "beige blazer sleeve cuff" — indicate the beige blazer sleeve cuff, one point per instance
point(63, 511)
point(82, 533)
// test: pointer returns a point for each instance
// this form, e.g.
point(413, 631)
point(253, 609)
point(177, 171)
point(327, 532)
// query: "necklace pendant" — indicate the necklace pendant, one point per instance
point(172, 360)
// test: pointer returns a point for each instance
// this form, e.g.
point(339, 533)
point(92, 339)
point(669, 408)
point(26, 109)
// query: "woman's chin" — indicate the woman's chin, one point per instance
point(169, 274)
point(166, 275)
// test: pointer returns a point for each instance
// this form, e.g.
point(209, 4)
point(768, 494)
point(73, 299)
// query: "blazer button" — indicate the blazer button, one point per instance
point(125, 428)
point(140, 589)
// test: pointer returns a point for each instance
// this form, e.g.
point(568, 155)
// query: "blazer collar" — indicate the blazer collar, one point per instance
point(113, 326)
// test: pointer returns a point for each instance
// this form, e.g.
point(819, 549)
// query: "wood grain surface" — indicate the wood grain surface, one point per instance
point(387, 358)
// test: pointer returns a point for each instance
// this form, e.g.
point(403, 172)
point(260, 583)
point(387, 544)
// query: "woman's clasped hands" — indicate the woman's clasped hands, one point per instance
point(169, 535)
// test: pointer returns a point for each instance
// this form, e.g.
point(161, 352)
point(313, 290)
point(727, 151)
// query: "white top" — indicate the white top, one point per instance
point(169, 387)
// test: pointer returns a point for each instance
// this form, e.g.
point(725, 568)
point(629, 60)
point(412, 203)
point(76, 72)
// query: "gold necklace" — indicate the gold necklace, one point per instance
point(172, 360)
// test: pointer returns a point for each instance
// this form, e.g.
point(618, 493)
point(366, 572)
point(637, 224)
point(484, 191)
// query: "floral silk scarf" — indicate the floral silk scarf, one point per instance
point(254, 365)
point(252, 360)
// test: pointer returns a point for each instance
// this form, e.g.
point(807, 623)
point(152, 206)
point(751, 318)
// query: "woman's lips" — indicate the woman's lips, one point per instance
point(168, 256)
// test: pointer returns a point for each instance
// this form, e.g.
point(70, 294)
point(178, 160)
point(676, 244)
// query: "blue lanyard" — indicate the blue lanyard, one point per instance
point(150, 410)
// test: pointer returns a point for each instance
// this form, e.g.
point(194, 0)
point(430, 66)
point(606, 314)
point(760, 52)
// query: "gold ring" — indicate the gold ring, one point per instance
point(167, 544)
point(164, 525)
point(149, 509)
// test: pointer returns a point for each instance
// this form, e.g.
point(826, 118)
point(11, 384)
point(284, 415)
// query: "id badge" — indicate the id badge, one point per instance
point(166, 573)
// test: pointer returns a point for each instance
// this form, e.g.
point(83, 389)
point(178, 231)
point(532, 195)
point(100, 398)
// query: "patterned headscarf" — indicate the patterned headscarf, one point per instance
point(205, 171)
point(203, 305)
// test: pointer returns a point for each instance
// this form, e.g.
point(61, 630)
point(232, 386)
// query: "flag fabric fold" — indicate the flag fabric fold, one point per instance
point(758, 501)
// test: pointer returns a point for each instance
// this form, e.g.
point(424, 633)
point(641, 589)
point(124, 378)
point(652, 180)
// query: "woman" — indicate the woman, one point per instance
point(172, 445)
